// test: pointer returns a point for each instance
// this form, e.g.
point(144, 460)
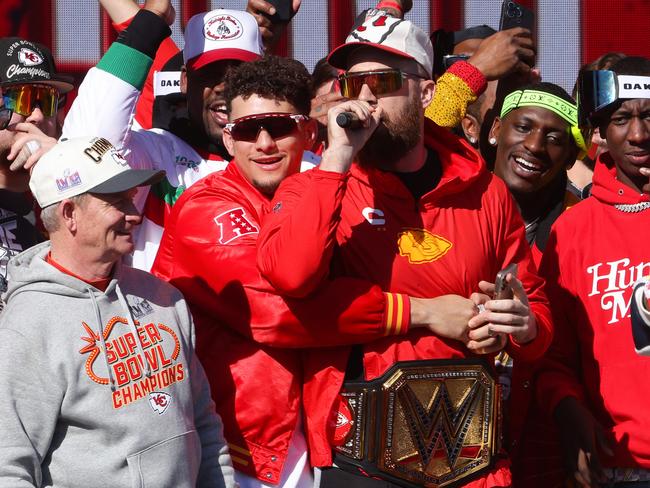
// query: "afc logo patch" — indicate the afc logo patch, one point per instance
point(234, 224)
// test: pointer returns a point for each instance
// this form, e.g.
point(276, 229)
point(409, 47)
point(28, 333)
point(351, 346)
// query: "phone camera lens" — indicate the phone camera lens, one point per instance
point(514, 10)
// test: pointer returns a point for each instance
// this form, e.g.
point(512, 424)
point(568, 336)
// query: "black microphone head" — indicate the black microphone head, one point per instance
point(348, 120)
point(344, 119)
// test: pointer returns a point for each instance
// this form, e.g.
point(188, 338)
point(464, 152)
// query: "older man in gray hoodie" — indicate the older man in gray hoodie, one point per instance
point(99, 383)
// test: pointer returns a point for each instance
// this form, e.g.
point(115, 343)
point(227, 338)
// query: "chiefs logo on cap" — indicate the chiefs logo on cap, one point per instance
point(421, 246)
point(28, 57)
point(222, 28)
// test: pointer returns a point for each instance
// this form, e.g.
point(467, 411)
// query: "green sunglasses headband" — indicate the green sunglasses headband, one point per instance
point(534, 98)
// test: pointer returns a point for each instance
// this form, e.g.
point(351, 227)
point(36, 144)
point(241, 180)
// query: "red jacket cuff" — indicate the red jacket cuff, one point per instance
point(397, 314)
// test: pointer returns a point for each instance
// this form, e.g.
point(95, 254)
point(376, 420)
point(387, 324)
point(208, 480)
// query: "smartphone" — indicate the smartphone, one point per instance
point(283, 11)
point(502, 290)
point(515, 15)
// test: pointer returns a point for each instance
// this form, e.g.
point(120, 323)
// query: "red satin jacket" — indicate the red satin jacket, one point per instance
point(247, 335)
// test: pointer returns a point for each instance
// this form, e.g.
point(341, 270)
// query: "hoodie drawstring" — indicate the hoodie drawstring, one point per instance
point(98, 317)
point(129, 318)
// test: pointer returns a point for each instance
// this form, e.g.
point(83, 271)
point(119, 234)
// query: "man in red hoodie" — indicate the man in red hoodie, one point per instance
point(416, 212)
point(592, 382)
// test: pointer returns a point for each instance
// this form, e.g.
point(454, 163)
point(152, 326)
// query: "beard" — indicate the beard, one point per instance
point(394, 137)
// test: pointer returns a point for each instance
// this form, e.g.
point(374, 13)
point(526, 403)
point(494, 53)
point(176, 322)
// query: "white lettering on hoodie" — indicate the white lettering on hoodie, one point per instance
point(613, 282)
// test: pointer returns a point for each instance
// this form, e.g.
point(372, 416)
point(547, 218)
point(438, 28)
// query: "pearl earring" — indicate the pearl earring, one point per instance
point(493, 141)
point(472, 140)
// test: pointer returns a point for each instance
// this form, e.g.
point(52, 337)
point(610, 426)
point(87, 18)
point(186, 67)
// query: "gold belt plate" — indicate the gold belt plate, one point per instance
point(435, 422)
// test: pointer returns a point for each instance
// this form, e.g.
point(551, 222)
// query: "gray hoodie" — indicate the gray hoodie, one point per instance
point(103, 389)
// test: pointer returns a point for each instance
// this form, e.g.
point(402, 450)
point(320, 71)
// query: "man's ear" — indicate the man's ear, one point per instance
point(310, 133)
point(471, 129)
point(68, 214)
point(184, 80)
point(427, 90)
point(229, 142)
point(495, 130)
point(571, 158)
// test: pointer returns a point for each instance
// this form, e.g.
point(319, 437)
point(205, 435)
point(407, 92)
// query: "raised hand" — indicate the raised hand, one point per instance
point(505, 52)
point(344, 144)
point(262, 10)
point(29, 145)
point(163, 8)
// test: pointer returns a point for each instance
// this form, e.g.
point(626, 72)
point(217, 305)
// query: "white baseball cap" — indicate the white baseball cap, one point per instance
point(85, 165)
point(390, 34)
point(221, 35)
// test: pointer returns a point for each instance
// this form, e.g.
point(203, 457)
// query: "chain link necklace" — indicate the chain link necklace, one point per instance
point(633, 207)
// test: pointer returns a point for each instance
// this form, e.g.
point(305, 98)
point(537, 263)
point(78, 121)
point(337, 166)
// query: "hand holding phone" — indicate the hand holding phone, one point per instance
point(283, 11)
point(508, 313)
point(515, 15)
point(502, 289)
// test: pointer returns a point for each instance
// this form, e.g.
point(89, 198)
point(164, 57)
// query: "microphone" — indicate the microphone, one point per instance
point(348, 120)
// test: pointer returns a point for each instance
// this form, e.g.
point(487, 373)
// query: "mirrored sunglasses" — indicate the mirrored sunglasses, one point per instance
point(380, 82)
point(596, 90)
point(5, 117)
point(278, 125)
point(23, 99)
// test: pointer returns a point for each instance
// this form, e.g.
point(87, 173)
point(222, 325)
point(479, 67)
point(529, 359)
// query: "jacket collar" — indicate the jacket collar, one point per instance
point(461, 167)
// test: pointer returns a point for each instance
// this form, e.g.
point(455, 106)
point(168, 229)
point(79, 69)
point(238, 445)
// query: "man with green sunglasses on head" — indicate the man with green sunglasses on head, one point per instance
point(30, 89)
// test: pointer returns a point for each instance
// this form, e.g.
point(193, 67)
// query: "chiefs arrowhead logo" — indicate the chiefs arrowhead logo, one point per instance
point(421, 246)
point(342, 422)
point(159, 401)
point(28, 57)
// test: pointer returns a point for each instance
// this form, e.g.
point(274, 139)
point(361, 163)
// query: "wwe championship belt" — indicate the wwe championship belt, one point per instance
point(431, 423)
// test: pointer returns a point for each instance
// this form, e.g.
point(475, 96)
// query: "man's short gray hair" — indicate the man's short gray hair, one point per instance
point(49, 215)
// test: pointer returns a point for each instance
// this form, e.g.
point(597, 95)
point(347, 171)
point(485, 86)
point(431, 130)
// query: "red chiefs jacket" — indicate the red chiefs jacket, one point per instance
point(369, 225)
point(595, 254)
point(246, 333)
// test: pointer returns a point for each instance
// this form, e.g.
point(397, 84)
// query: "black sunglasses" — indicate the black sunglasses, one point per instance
point(277, 124)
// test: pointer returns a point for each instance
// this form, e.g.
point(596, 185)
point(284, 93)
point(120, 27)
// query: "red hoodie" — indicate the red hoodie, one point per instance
point(369, 225)
point(594, 256)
